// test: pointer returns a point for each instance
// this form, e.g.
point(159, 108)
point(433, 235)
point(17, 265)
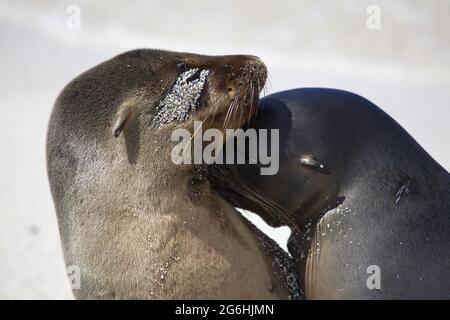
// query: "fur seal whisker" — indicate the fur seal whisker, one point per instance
point(241, 187)
point(404, 190)
point(195, 132)
point(230, 109)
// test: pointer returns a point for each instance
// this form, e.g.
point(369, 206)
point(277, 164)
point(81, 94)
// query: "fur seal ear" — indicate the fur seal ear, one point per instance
point(123, 115)
point(126, 118)
point(121, 118)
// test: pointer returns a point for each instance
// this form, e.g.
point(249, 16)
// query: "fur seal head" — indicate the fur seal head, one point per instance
point(221, 91)
point(125, 210)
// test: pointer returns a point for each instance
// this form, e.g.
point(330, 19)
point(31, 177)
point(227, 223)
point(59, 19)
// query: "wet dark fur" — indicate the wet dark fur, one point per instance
point(384, 201)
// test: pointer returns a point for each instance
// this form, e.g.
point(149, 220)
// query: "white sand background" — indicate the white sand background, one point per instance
point(403, 68)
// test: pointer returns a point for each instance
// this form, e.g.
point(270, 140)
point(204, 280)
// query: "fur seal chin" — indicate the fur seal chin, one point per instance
point(135, 224)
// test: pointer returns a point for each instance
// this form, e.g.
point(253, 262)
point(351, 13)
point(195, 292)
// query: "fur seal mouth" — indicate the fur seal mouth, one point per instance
point(244, 97)
point(244, 90)
point(183, 98)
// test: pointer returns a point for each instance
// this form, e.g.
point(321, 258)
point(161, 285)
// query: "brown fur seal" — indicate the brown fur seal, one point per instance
point(370, 209)
point(137, 225)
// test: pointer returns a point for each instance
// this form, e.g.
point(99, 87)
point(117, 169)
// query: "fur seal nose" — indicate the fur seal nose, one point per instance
point(256, 68)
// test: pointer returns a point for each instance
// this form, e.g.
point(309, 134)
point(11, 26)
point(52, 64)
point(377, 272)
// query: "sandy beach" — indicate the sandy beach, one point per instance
point(403, 67)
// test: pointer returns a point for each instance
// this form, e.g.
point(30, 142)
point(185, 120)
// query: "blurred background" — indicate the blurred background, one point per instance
point(396, 54)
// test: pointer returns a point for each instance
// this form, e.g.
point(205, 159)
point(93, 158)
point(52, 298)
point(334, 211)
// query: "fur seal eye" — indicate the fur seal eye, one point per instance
point(316, 165)
point(194, 76)
point(183, 97)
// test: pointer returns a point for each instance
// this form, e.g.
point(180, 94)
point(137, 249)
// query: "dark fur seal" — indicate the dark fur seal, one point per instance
point(135, 224)
point(369, 208)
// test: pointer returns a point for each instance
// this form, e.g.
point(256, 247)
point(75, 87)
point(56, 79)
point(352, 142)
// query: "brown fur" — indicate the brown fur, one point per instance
point(135, 223)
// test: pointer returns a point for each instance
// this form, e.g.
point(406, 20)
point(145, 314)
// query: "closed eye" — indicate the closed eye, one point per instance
point(309, 161)
point(194, 76)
